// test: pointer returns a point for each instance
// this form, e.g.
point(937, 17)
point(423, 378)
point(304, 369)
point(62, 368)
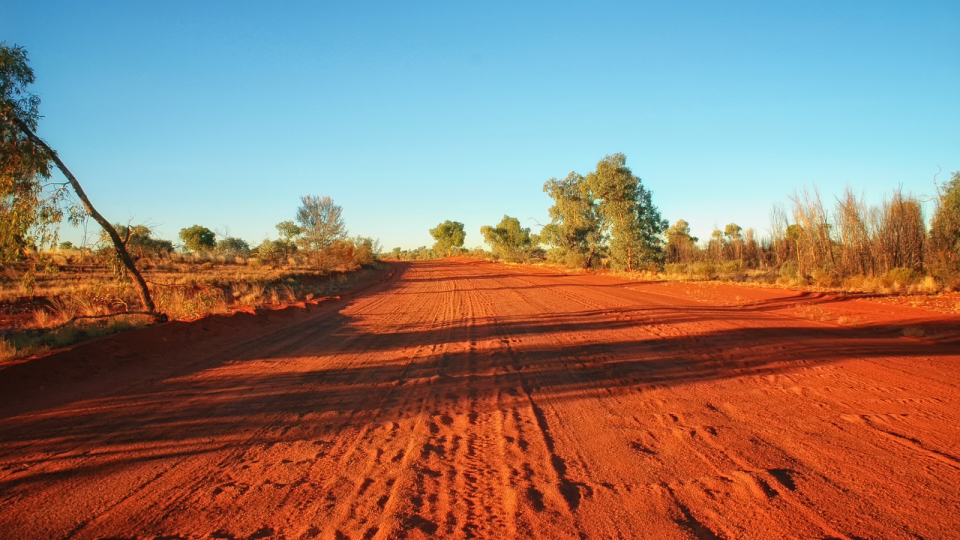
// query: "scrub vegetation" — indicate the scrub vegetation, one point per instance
point(53, 293)
point(840, 244)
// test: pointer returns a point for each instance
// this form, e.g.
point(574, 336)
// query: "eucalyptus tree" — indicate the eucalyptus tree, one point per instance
point(577, 226)
point(28, 202)
point(448, 235)
point(606, 210)
point(139, 241)
point(321, 224)
point(636, 227)
point(198, 238)
point(945, 226)
point(508, 239)
point(680, 243)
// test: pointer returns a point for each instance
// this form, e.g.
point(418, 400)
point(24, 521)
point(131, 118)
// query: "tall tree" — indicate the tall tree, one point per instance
point(28, 213)
point(448, 235)
point(680, 244)
point(607, 209)
point(25, 163)
point(508, 239)
point(577, 226)
point(320, 221)
point(636, 235)
point(945, 227)
point(733, 234)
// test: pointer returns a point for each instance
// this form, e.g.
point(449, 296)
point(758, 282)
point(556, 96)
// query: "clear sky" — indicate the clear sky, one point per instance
point(410, 113)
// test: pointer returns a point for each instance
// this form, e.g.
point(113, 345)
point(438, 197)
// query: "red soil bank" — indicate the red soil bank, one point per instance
point(466, 399)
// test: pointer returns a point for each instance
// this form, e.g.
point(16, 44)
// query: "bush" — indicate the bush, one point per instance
point(899, 277)
point(365, 251)
point(575, 259)
point(730, 267)
point(789, 270)
point(823, 278)
point(675, 269)
point(704, 270)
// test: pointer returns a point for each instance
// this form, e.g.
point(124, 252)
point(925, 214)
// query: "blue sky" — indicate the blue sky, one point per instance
point(410, 113)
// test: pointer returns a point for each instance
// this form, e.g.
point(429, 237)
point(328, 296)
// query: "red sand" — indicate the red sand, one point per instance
point(466, 399)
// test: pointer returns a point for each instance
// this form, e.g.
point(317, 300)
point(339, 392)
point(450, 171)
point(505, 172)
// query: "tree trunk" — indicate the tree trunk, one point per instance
point(142, 290)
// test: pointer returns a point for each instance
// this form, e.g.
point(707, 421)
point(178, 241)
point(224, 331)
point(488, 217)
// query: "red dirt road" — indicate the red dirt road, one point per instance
point(471, 400)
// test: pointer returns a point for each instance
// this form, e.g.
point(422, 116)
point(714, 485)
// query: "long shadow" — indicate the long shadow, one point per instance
point(173, 417)
point(159, 351)
point(171, 412)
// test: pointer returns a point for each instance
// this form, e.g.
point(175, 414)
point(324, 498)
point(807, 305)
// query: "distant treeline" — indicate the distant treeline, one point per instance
point(317, 237)
point(811, 241)
point(607, 219)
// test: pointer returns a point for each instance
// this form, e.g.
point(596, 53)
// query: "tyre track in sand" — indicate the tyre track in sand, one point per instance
point(474, 400)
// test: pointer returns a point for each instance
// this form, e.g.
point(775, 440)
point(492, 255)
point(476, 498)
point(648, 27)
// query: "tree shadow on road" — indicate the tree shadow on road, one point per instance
point(307, 379)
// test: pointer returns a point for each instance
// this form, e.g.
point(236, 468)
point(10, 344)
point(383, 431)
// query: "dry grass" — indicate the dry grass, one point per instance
point(914, 332)
point(38, 341)
point(184, 287)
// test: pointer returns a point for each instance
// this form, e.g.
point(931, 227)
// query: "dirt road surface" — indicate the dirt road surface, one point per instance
point(463, 399)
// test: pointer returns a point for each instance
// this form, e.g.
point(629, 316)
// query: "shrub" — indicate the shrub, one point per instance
point(675, 268)
point(823, 278)
point(730, 267)
point(704, 270)
point(575, 259)
point(789, 269)
point(899, 277)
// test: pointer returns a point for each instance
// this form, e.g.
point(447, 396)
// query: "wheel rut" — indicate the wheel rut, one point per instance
point(465, 399)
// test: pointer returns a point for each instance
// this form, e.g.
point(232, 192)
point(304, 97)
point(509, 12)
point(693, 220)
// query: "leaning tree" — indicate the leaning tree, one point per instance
point(25, 167)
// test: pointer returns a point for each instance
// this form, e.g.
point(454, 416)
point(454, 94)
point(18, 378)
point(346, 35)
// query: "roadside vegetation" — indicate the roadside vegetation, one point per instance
point(606, 220)
point(54, 297)
point(842, 244)
point(53, 293)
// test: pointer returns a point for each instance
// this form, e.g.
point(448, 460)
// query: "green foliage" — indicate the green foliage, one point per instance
point(732, 232)
point(289, 231)
point(139, 241)
point(945, 227)
point(233, 247)
point(285, 247)
point(198, 238)
point(421, 253)
point(636, 238)
point(508, 239)
point(30, 206)
point(320, 223)
point(607, 210)
point(28, 281)
point(448, 235)
point(365, 250)
point(577, 228)
point(899, 277)
point(275, 250)
point(789, 270)
point(65, 245)
point(704, 270)
point(681, 245)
